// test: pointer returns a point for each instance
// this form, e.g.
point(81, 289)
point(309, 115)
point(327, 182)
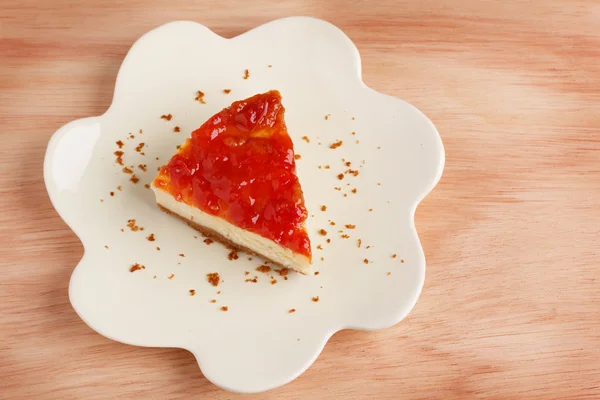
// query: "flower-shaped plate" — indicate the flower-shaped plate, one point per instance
point(370, 274)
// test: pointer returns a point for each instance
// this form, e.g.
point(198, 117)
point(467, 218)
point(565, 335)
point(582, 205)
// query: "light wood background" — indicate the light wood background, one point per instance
point(511, 304)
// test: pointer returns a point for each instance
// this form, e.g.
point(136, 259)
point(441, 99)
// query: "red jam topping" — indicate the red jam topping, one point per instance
point(239, 165)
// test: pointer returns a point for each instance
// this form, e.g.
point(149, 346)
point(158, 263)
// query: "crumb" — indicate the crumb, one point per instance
point(147, 186)
point(136, 267)
point(292, 310)
point(246, 273)
point(213, 278)
point(285, 278)
point(112, 193)
point(249, 258)
point(167, 117)
point(345, 194)
point(140, 147)
point(348, 163)
point(171, 276)
point(181, 255)
point(357, 142)
point(315, 299)
point(332, 223)
point(131, 225)
point(131, 137)
point(402, 261)
point(393, 255)
point(134, 179)
point(338, 188)
point(219, 292)
point(322, 259)
point(273, 281)
point(143, 167)
point(192, 292)
point(378, 147)
point(350, 226)
point(200, 97)
point(370, 209)
point(105, 246)
point(336, 145)
point(254, 280)
point(320, 247)
point(354, 133)
point(354, 190)
point(224, 308)
point(366, 261)
point(233, 255)
point(226, 91)
point(122, 230)
point(208, 241)
point(127, 170)
point(270, 66)
point(119, 188)
point(297, 156)
point(327, 117)
point(352, 118)
point(120, 144)
point(213, 301)
point(340, 176)
point(322, 232)
point(263, 268)
point(141, 228)
point(157, 248)
point(283, 272)
point(320, 167)
point(154, 277)
point(298, 339)
point(119, 155)
point(378, 183)
point(344, 236)
point(327, 167)
point(368, 247)
point(178, 147)
point(359, 242)
point(328, 240)
point(323, 208)
point(176, 129)
point(141, 131)
point(352, 172)
point(246, 74)
point(151, 238)
point(389, 273)
point(306, 139)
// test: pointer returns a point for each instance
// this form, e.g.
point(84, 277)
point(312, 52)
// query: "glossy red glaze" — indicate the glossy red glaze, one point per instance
point(239, 165)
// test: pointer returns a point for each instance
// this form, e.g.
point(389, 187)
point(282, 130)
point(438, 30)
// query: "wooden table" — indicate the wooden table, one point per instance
point(511, 304)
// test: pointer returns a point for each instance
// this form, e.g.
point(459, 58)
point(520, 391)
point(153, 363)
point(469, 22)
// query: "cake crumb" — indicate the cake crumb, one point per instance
point(119, 155)
point(283, 272)
point(322, 259)
point(393, 255)
point(246, 74)
point(127, 170)
point(328, 240)
point(345, 194)
point(140, 147)
point(306, 139)
point(327, 117)
point(366, 261)
point(119, 188)
point(354, 133)
point(132, 225)
point(136, 267)
point(181, 255)
point(320, 247)
point(151, 238)
point(297, 156)
point(143, 167)
point(177, 129)
point(105, 246)
point(402, 261)
point(348, 163)
point(327, 167)
point(218, 292)
point(233, 255)
point(370, 209)
point(224, 308)
point(322, 232)
point(171, 276)
point(285, 278)
point(208, 241)
point(368, 247)
point(200, 97)
point(213, 301)
point(112, 193)
point(315, 298)
point(154, 277)
point(213, 278)
point(134, 178)
point(192, 292)
point(350, 226)
point(359, 242)
point(263, 268)
point(354, 190)
point(344, 236)
point(336, 144)
point(120, 144)
point(253, 280)
point(389, 273)
point(292, 310)
point(270, 66)
point(147, 186)
point(167, 117)
point(226, 91)
point(157, 248)
point(323, 208)
point(246, 272)
point(273, 281)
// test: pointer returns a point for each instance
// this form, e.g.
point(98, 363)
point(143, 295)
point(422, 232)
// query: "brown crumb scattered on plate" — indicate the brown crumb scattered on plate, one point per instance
point(200, 97)
point(105, 246)
point(181, 255)
point(134, 178)
point(402, 261)
point(140, 147)
point(151, 238)
point(246, 74)
point(320, 247)
point(263, 268)
point(224, 308)
point(322, 232)
point(323, 208)
point(213, 301)
point(389, 273)
point(354, 190)
point(147, 186)
point(306, 139)
point(167, 117)
point(176, 129)
point(283, 272)
point(327, 117)
point(136, 267)
point(350, 226)
point(315, 298)
point(208, 241)
point(292, 310)
point(336, 144)
point(233, 255)
point(213, 278)
point(171, 276)
point(127, 170)
point(226, 91)
point(119, 188)
point(192, 292)
point(157, 248)
point(132, 225)
point(120, 143)
point(394, 255)
point(112, 193)
point(366, 261)
point(273, 281)
point(143, 167)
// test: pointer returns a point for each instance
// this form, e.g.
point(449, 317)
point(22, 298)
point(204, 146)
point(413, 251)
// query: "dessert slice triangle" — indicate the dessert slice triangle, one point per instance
point(235, 180)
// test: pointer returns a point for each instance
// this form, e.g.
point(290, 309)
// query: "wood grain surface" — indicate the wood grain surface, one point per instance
point(511, 304)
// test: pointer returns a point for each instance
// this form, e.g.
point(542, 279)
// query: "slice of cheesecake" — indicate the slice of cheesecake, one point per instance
point(235, 180)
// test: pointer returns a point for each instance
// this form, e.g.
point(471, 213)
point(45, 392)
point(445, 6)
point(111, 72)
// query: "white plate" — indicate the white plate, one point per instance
point(257, 344)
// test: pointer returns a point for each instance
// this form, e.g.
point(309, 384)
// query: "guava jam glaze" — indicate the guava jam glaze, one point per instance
point(239, 166)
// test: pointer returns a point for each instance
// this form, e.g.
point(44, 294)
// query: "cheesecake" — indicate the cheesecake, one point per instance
point(235, 180)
